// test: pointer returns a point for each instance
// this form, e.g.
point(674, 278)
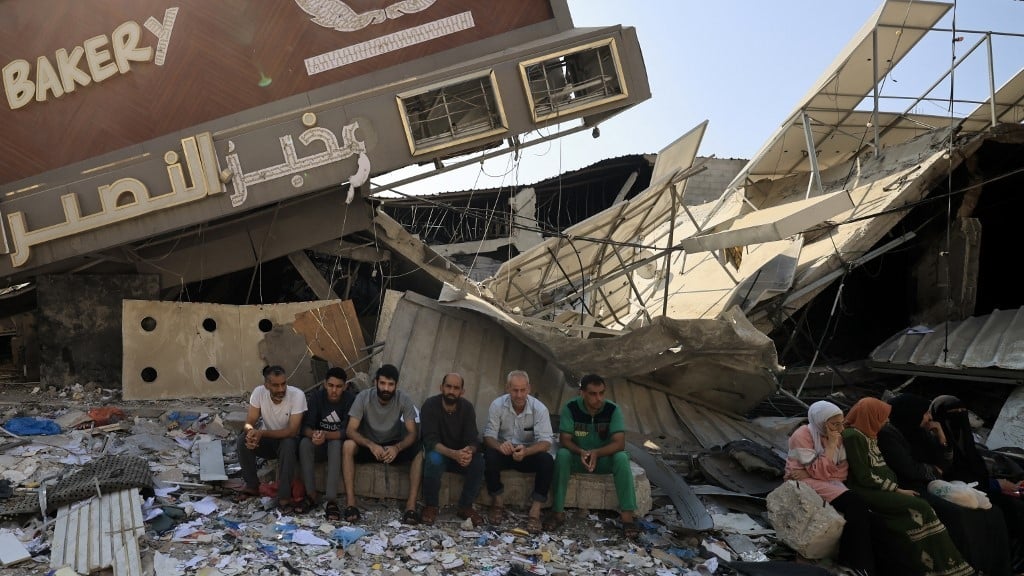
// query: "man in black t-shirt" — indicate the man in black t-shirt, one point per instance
point(450, 442)
point(323, 432)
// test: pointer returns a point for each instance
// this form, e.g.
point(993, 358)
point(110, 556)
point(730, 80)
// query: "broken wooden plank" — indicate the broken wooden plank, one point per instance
point(211, 461)
point(116, 427)
point(691, 510)
point(333, 333)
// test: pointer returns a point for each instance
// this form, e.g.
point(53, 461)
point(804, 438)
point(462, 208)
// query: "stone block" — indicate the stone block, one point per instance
point(586, 491)
point(235, 420)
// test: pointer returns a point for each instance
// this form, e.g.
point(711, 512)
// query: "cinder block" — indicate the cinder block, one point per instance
point(588, 491)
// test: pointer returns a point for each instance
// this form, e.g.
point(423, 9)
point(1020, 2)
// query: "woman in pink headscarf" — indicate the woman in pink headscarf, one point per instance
point(817, 458)
point(910, 521)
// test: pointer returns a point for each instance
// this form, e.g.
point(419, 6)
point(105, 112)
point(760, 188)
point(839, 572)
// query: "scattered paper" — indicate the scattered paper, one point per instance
point(307, 538)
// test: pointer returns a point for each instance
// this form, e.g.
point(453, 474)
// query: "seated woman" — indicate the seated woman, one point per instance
point(910, 521)
point(817, 458)
point(968, 466)
point(915, 448)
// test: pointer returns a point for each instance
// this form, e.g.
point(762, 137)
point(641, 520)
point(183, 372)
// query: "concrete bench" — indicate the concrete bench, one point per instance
point(587, 491)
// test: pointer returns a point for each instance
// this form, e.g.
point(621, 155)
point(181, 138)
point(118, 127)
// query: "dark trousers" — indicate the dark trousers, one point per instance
point(283, 449)
point(541, 464)
point(435, 465)
point(856, 549)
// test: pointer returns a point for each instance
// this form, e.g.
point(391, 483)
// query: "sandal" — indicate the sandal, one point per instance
point(304, 506)
point(533, 525)
point(410, 517)
point(630, 531)
point(243, 494)
point(429, 515)
point(554, 521)
point(332, 513)
point(497, 515)
point(352, 514)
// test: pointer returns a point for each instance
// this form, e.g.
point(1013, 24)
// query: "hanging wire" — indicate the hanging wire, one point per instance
point(943, 260)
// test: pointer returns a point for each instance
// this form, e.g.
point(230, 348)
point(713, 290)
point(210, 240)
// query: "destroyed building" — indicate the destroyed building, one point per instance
point(861, 233)
point(205, 193)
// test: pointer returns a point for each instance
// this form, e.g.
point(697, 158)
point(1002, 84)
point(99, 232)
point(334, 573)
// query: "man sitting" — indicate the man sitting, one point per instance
point(450, 442)
point(518, 436)
point(323, 431)
point(280, 407)
point(593, 441)
point(382, 428)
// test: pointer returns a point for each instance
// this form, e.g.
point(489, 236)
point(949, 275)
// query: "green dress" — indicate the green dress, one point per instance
point(921, 536)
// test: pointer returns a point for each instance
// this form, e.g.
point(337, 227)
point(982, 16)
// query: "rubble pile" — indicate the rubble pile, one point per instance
point(207, 528)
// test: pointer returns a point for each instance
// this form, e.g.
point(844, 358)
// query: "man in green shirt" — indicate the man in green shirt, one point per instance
point(593, 441)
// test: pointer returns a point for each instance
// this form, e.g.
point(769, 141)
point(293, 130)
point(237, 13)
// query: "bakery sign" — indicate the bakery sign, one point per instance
point(95, 60)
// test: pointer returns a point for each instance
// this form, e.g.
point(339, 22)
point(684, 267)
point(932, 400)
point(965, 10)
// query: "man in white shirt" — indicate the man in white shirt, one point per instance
point(518, 435)
point(271, 431)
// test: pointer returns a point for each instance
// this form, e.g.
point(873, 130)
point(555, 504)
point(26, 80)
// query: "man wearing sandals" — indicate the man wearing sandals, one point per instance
point(518, 435)
point(592, 436)
point(382, 428)
point(450, 442)
point(323, 431)
point(280, 407)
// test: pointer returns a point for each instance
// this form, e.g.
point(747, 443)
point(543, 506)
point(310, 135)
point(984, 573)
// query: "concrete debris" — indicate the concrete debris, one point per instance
point(204, 528)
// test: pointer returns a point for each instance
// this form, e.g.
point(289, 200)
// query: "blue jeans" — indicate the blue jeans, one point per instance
point(435, 465)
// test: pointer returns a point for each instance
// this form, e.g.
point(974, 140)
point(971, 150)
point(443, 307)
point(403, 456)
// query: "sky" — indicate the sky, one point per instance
point(743, 65)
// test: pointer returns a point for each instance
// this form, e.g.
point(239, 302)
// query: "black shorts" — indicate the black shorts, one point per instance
point(404, 457)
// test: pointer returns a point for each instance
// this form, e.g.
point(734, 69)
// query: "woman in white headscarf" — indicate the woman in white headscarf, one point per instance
point(817, 458)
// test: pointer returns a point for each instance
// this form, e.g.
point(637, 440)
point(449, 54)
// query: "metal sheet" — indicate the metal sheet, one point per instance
point(723, 362)
point(993, 343)
point(211, 461)
point(427, 339)
point(101, 532)
point(586, 249)
point(689, 507)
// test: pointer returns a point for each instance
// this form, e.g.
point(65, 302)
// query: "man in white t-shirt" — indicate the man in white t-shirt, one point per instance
point(280, 407)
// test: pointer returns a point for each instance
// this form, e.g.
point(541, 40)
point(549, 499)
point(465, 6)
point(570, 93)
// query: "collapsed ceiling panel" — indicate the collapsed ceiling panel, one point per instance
point(897, 26)
point(1009, 105)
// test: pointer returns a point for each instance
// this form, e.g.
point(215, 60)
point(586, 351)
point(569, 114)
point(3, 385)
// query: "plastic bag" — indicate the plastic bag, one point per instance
point(960, 493)
point(804, 521)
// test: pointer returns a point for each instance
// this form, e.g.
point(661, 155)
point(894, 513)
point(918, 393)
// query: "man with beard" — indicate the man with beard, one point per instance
point(323, 431)
point(450, 442)
point(280, 407)
point(382, 428)
point(592, 436)
point(518, 435)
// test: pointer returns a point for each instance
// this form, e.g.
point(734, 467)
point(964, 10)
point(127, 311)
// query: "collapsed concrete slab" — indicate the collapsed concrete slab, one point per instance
point(196, 350)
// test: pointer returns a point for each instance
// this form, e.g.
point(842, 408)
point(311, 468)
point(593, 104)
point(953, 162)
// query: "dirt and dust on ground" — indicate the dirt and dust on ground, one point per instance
point(196, 527)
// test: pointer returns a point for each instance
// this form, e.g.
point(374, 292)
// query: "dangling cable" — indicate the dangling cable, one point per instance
point(944, 256)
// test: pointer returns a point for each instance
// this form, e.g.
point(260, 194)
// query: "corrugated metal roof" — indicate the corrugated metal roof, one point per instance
point(981, 347)
point(425, 340)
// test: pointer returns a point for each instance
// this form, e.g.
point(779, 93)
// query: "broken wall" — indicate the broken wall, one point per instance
point(195, 350)
point(79, 325)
